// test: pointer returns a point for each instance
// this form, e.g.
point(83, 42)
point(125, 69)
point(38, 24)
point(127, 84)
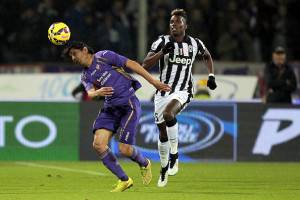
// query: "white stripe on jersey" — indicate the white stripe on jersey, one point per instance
point(185, 47)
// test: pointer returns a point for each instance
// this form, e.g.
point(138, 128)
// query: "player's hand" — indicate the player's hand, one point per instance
point(211, 83)
point(105, 91)
point(161, 86)
point(168, 48)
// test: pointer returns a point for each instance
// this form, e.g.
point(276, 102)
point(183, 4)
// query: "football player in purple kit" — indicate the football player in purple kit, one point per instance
point(103, 75)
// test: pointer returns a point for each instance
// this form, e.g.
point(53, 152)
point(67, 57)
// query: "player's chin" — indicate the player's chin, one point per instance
point(175, 33)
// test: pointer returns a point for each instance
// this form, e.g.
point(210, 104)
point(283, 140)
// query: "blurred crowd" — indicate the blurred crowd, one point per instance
point(234, 30)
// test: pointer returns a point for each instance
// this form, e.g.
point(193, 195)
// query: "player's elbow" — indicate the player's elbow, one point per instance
point(147, 64)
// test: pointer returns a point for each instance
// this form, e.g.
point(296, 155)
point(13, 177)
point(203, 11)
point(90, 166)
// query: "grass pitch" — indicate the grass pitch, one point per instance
point(91, 181)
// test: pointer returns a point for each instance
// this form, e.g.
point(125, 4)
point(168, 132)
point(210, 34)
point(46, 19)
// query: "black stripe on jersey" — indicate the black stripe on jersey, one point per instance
point(188, 68)
point(169, 70)
point(161, 62)
point(200, 47)
point(179, 69)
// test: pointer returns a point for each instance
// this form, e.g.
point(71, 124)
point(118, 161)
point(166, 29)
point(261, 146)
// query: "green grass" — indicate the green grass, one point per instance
point(201, 181)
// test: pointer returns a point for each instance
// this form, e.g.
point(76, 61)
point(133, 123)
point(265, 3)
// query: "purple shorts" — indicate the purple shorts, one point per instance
point(120, 119)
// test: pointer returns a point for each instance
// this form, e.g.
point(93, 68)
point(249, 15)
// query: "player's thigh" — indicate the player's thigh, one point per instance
point(107, 119)
point(172, 108)
point(178, 102)
point(160, 103)
point(129, 122)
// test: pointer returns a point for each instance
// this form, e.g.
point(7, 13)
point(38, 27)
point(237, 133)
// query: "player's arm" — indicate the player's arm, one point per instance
point(204, 53)
point(208, 62)
point(157, 51)
point(137, 68)
point(92, 91)
point(151, 59)
point(211, 83)
point(104, 91)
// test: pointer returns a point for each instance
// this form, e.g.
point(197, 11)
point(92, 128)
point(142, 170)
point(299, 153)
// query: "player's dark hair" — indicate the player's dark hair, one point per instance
point(179, 12)
point(76, 45)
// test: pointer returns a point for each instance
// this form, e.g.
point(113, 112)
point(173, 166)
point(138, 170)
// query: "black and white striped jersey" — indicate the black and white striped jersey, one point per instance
point(176, 67)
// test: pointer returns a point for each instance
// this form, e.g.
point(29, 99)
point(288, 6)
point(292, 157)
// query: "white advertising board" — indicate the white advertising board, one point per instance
point(58, 87)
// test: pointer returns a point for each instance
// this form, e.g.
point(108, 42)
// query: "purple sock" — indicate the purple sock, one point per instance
point(111, 163)
point(137, 157)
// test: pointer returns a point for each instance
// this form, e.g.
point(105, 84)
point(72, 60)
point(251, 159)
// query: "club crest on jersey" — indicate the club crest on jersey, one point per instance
point(190, 48)
point(178, 60)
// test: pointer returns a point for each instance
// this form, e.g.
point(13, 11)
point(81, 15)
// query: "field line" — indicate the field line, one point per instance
point(29, 164)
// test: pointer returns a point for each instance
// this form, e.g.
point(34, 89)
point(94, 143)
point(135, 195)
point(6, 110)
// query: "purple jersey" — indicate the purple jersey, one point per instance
point(107, 70)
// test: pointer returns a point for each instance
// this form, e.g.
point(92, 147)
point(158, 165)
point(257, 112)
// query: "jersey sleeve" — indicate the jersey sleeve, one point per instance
point(114, 59)
point(157, 45)
point(201, 47)
point(85, 82)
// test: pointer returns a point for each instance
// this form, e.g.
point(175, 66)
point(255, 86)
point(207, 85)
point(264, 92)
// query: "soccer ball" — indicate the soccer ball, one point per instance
point(59, 33)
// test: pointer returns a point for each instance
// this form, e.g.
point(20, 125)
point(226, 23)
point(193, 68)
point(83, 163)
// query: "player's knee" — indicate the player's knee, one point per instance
point(125, 149)
point(163, 138)
point(99, 146)
point(168, 116)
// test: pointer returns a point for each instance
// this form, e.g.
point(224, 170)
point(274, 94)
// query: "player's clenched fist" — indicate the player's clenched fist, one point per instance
point(211, 83)
point(168, 47)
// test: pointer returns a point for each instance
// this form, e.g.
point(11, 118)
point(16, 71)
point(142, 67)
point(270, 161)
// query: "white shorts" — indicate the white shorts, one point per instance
point(161, 102)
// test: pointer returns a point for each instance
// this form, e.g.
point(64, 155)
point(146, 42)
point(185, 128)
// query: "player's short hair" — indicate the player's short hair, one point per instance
point(179, 12)
point(76, 45)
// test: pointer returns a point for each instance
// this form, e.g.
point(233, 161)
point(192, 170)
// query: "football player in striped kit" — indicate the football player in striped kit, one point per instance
point(175, 54)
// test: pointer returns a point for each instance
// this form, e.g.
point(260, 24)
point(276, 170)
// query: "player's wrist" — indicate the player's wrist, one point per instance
point(211, 74)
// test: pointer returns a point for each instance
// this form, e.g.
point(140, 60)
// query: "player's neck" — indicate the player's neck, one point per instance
point(179, 38)
point(89, 60)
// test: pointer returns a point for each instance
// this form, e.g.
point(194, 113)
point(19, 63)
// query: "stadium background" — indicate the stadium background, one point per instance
point(45, 139)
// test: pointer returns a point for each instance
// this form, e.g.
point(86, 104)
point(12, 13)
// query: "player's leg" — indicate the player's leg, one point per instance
point(135, 155)
point(163, 144)
point(169, 115)
point(104, 126)
point(127, 133)
point(163, 149)
point(100, 144)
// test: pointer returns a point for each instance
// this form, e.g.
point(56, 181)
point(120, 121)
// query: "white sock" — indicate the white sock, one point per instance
point(163, 149)
point(173, 138)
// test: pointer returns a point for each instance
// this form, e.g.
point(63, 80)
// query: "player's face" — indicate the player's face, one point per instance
point(78, 56)
point(279, 58)
point(177, 26)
